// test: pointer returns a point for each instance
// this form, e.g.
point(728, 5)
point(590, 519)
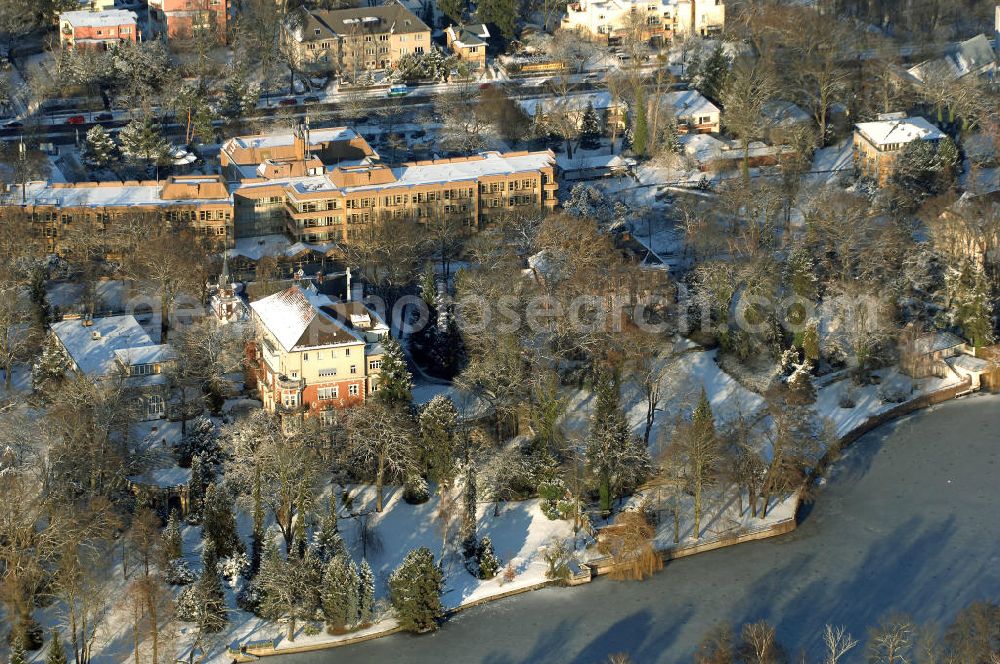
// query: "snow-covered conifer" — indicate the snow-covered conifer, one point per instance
point(366, 593)
point(172, 541)
point(438, 424)
point(57, 653)
point(394, 382)
point(415, 591)
point(339, 594)
point(489, 564)
point(99, 148)
point(219, 522)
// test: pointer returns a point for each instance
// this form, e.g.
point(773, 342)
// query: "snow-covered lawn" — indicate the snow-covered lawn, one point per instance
point(519, 535)
point(681, 386)
point(867, 399)
point(20, 382)
point(468, 405)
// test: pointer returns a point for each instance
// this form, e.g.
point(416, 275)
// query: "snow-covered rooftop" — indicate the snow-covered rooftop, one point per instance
point(103, 19)
point(968, 364)
point(904, 130)
point(164, 478)
point(39, 193)
point(256, 248)
point(294, 317)
point(316, 137)
point(146, 354)
point(93, 347)
point(569, 103)
point(491, 163)
point(935, 342)
point(687, 103)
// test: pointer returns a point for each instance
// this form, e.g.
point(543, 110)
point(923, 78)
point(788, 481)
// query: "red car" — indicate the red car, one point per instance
point(76, 120)
point(288, 102)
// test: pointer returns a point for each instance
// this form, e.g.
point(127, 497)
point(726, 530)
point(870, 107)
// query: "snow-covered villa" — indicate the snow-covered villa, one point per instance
point(654, 19)
point(117, 348)
point(314, 354)
point(313, 186)
point(877, 144)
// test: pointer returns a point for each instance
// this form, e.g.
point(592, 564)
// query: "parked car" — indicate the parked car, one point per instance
point(399, 90)
point(104, 117)
point(311, 99)
point(76, 120)
point(288, 102)
point(14, 124)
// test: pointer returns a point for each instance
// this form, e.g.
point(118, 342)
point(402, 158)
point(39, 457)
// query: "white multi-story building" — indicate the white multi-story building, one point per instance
point(652, 19)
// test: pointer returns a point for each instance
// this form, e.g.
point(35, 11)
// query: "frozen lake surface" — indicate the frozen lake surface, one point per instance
point(908, 522)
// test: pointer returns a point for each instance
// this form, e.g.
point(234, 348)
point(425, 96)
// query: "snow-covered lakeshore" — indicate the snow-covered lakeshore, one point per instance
point(520, 530)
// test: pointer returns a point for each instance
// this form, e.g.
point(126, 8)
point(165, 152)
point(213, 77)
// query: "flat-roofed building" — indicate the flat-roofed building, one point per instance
point(319, 186)
point(97, 29)
point(342, 204)
point(293, 153)
point(614, 20)
point(189, 19)
point(201, 202)
point(877, 144)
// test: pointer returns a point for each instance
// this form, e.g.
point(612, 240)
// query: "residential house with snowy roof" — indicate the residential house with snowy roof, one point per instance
point(355, 40)
point(97, 29)
point(313, 353)
point(693, 112)
point(877, 144)
point(610, 110)
point(117, 348)
point(972, 57)
point(468, 42)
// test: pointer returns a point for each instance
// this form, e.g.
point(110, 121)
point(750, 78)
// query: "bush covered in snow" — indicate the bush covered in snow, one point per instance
point(415, 490)
point(551, 493)
point(178, 573)
point(232, 568)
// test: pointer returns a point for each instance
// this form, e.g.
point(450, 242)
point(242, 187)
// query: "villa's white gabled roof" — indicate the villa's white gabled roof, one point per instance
point(93, 348)
point(295, 318)
point(905, 130)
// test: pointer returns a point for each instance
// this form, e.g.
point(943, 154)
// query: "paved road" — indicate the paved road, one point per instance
point(907, 522)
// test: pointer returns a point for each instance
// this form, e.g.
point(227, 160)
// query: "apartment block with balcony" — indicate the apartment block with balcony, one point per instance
point(344, 204)
point(612, 20)
point(320, 186)
point(351, 41)
point(97, 29)
point(314, 354)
